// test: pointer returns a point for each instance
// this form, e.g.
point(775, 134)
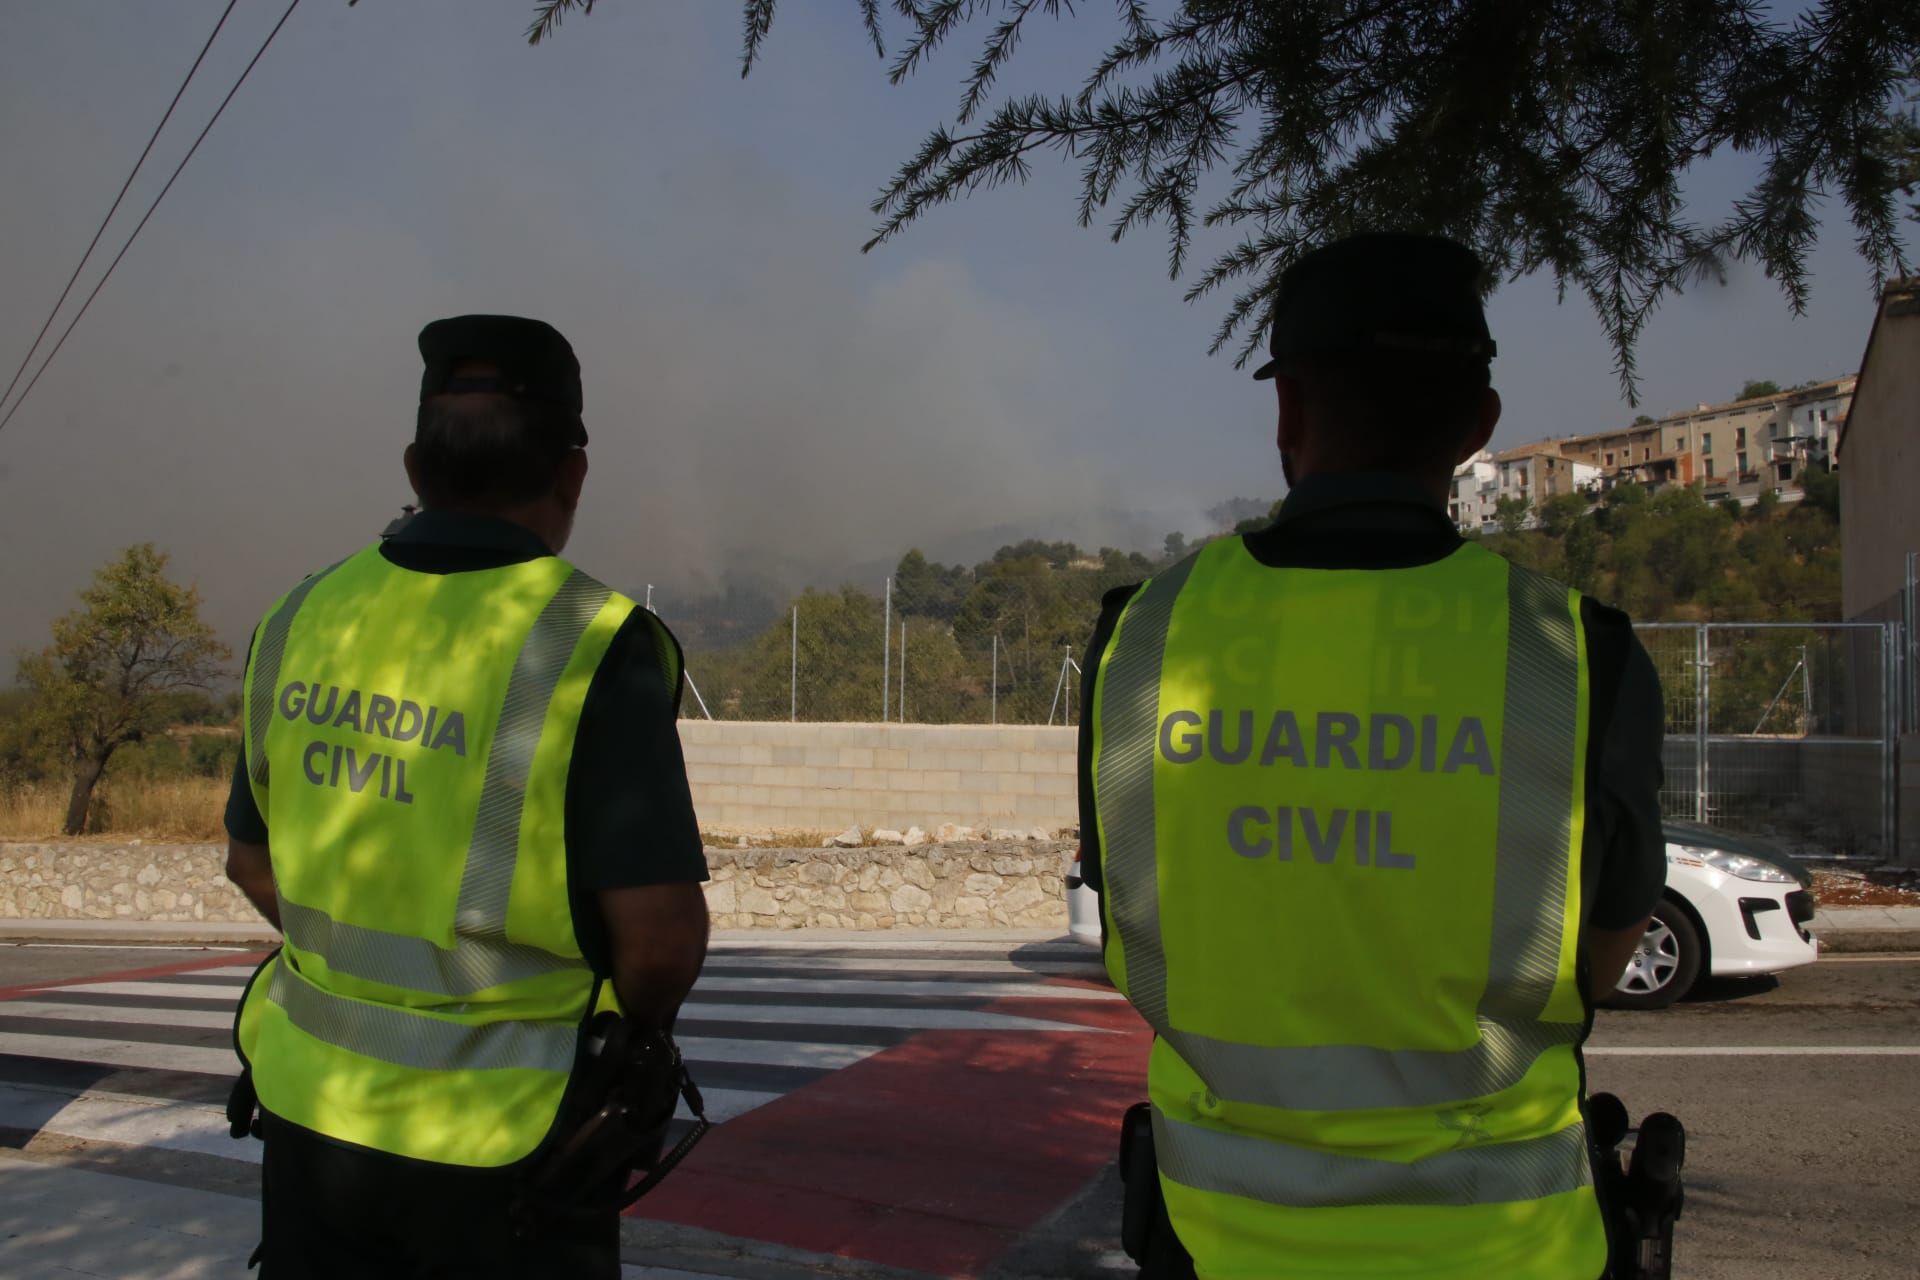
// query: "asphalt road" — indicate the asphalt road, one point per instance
point(1796, 1165)
point(1800, 1164)
point(23, 963)
point(1802, 1167)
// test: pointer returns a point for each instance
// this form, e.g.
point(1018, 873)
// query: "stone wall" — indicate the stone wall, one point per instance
point(132, 881)
point(974, 885)
point(954, 886)
point(750, 776)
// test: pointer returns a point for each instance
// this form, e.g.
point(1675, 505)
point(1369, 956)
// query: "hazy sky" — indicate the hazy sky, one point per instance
point(761, 396)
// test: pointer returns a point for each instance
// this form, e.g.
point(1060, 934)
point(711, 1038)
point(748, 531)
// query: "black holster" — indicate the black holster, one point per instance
point(1146, 1233)
point(630, 1082)
point(243, 1107)
point(1641, 1201)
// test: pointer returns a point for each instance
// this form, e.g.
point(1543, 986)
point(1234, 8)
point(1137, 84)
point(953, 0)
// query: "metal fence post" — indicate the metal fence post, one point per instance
point(1891, 642)
point(1910, 651)
point(793, 670)
point(886, 652)
point(903, 671)
point(1702, 707)
point(993, 707)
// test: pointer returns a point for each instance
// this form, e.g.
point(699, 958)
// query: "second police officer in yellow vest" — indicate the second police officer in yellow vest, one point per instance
point(463, 802)
point(1374, 814)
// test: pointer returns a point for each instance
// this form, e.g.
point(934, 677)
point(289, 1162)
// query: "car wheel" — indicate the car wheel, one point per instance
point(1664, 965)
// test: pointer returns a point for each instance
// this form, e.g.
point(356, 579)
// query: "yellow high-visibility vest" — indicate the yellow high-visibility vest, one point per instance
point(407, 739)
point(1340, 815)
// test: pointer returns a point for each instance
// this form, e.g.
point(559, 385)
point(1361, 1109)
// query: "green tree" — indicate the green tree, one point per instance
point(1642, 419)
point(1561, 512)
point(1552, 135)
point(1761, 387)
point(1765, 503)
point(1900, 139)
point(1175, 546)
point(1511, 515)
point(117, 667)
point(1580, 554)
point(928, 589)
point(1822, 489)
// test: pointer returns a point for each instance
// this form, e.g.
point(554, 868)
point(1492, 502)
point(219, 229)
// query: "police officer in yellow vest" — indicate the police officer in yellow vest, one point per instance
point(1374, 814)
point(462, 801)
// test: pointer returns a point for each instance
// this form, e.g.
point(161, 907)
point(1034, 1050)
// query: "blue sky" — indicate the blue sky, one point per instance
point(762, 396)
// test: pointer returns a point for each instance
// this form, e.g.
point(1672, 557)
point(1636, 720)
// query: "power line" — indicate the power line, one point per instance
point(94, 243)
point(68, 331)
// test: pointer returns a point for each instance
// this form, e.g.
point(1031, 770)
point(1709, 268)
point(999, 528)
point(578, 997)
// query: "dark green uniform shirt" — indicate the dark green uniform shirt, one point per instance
point(1377, 521)
point(629, 818)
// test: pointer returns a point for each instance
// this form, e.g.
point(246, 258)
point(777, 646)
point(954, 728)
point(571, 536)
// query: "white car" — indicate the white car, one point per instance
point(1734, 906)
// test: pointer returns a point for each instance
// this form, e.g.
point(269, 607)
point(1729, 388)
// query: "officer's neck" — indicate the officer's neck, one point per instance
point(544, 519)
point(1434, 485)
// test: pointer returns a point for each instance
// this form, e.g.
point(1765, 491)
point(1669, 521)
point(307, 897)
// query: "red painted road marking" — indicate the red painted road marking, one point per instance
point(134, 975)
point(935, 1155)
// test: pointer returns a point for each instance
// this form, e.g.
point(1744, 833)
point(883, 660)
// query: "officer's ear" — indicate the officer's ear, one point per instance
point(413, 474)
point(572, 476)
point(1292, 424)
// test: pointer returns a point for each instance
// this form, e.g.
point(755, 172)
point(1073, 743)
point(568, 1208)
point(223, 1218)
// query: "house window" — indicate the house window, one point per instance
point(1709, 468)
point(1706, 444)
point(1609, 459)
point(1646, 455)
point(1742, 460)
point(1740, 438)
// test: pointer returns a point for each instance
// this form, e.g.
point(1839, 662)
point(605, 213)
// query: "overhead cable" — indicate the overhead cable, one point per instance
point(68, 331)
point(92, 244)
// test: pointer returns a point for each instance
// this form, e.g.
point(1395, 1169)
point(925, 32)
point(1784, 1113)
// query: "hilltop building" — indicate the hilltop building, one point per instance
point(1531, 473)
point(1738, 450)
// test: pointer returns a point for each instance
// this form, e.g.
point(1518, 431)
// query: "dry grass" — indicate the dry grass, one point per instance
point(170, 809)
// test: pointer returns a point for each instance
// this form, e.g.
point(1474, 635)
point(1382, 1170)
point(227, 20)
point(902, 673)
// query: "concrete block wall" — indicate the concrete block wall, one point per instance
point(751, 775)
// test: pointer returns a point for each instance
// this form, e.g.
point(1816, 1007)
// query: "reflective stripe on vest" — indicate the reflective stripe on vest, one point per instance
point(482, 956)
point(1276, 1173)
point(1536, 777)
point(416, 1040)
point(267, 652)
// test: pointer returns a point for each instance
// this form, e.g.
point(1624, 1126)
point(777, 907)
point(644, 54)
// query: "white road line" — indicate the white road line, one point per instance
point(1755, 1051)
point(906, 987)
point(1909, 957)
point(122, 1053)
point(773, 1053)
point(175, 1126)
point(119, 946)
point(879, 941)
point(94, 1014)
point(725, 1104)
point(922, 964)
point(146, 990)
point(861, 1016)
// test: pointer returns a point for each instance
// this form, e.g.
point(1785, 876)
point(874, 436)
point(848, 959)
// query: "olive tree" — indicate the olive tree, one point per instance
point(116, 669)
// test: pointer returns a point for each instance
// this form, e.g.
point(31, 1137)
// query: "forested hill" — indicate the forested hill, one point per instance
point(992, 640)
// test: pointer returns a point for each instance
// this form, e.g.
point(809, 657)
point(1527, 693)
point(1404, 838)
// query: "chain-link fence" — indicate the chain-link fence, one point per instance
point(1787, 728)
point(942, 647)
point(1900, 608)
point(1783, 728)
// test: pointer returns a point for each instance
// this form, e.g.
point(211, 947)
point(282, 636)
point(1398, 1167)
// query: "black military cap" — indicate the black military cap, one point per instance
point(534, 364)
point(1385, 291)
